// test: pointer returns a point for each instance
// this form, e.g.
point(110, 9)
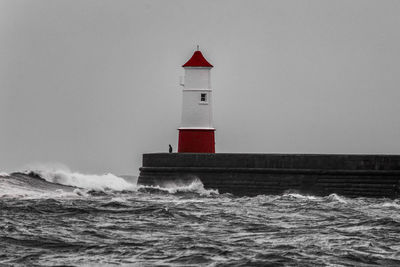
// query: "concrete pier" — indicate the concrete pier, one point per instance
point(253, 174)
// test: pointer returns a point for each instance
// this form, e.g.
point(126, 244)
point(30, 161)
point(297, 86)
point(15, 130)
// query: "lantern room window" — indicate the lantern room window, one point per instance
point(203, 97)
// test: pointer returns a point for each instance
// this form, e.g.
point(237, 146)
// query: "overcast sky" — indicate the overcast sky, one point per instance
point(94, 84)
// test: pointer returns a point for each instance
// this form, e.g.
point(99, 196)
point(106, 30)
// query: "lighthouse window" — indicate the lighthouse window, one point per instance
point(203, 97)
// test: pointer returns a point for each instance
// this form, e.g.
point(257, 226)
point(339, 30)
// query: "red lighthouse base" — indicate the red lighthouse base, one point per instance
point(196, 141)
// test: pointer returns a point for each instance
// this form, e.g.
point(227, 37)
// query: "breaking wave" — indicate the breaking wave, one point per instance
point(48, 182)
point(102, 182)
point(195, 186)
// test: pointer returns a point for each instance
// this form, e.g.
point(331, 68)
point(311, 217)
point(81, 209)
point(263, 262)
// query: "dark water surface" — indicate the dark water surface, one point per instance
point(190, 226)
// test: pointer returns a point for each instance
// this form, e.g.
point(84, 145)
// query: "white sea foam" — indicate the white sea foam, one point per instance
point(60, 174)
point(300, 196)
point(87, 181)
point(10, 188)
point(335, 198)
point(195, 186)
point(118, 199)
point(4, 174)
point(391, 205)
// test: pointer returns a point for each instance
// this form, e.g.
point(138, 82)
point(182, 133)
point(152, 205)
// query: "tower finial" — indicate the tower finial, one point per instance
point(197, 47)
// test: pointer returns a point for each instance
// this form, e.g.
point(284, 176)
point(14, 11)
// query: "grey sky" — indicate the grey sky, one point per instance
point(94, 84)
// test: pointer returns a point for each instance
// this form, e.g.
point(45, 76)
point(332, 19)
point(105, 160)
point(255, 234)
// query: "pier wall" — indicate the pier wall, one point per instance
point(254, 174)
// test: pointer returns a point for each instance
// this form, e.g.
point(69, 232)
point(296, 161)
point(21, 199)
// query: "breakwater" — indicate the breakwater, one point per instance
point(255, 174)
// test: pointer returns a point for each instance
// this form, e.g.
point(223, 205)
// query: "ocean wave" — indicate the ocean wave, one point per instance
point(336, 198)
point(112, 182)
point(101, 182)
point(19, 185)
point(48, 182)
point(195, 186)
point(299, 196)
point(394, 205)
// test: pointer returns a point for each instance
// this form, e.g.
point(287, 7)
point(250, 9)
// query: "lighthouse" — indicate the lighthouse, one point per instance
point(196, 133)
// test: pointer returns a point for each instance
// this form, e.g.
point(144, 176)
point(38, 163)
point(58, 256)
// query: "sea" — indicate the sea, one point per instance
point(64, 218)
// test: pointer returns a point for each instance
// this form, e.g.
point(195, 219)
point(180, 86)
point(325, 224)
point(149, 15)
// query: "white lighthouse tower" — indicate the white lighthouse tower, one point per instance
point(196, 134)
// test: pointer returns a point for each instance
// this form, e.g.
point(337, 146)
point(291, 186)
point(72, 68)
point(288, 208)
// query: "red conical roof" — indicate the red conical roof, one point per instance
point(197, 60)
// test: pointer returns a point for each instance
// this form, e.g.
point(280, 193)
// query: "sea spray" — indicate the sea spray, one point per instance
point(20, 185)
point(336, 198)
point(299, 196)
point(195, 186)
point(62, 175)
point(50, 182)
point(110, 181)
